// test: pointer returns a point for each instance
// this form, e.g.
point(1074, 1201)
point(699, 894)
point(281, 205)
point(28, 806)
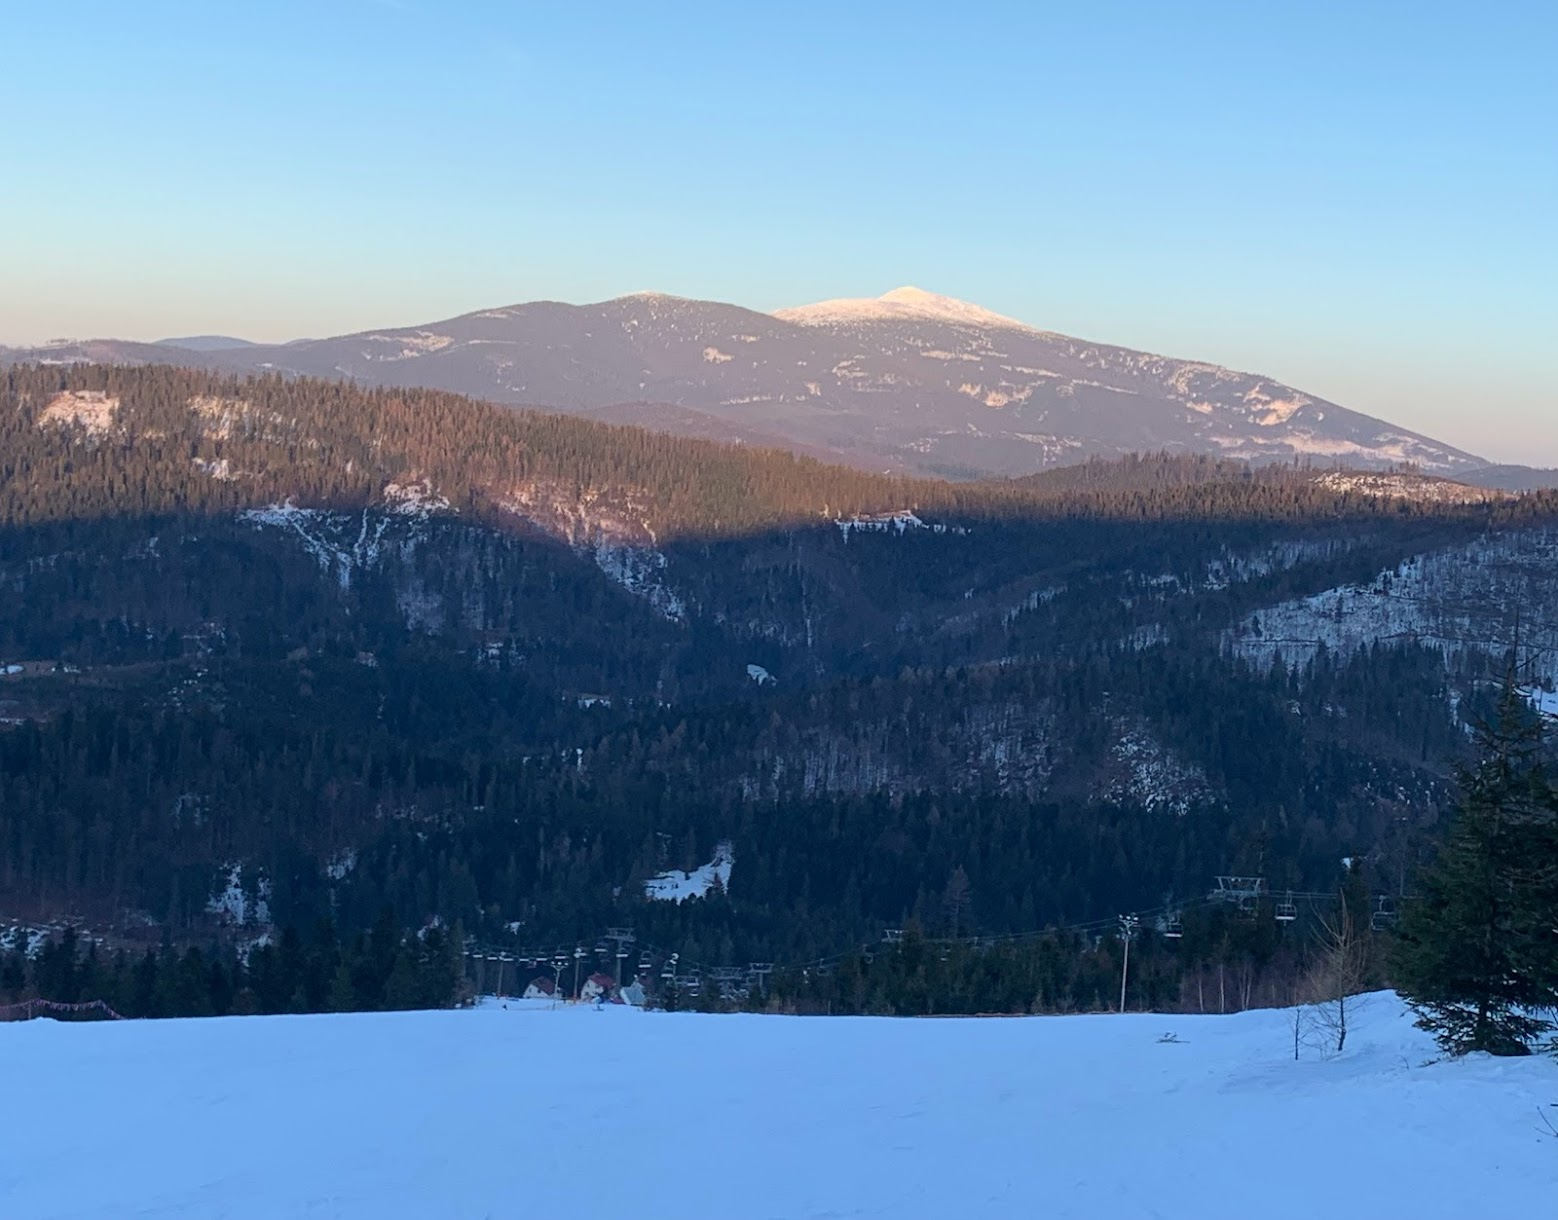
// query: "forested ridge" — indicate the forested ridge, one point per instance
point(498, 669)
point(156, 434)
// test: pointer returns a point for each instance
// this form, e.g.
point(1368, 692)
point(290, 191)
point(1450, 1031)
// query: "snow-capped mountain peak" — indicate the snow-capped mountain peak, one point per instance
point(909, 380)
point(900, 303)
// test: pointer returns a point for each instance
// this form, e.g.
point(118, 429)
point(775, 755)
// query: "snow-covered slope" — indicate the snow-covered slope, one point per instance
point(534, 1111)
point(1463, 600)
point(900, 303)
point(678, 885)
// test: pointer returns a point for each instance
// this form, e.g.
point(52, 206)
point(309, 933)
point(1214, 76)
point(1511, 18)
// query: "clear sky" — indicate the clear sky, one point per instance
point(1358, 198)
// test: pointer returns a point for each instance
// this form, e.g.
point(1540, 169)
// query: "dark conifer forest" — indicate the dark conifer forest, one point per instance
point(312, 696)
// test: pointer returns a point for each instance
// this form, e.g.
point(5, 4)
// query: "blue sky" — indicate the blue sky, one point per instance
point(1357, 198)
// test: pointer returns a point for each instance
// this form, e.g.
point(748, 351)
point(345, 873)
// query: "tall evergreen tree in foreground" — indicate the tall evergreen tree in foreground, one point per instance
point(1477, 954)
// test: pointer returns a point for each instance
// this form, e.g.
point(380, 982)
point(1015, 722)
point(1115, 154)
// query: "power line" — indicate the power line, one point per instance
point(1243, 893)
point(1128, 926)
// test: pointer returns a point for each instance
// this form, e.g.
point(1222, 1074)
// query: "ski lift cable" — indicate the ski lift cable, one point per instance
point(1171, 914)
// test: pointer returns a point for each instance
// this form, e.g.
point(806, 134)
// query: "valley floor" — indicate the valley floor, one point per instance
point(526, 1111)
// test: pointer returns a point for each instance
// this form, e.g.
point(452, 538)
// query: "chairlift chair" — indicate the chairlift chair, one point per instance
point(1287, 910)
point(1240, 890)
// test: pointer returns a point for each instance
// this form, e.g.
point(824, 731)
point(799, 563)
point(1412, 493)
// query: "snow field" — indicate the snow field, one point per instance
point(678, 885)
point(541, 1110)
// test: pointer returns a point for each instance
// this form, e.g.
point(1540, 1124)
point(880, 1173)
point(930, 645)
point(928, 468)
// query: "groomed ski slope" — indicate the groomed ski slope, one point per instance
point(530, 1111)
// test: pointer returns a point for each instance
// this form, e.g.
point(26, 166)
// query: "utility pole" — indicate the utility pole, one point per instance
point(1128, 926)
point(623, 938)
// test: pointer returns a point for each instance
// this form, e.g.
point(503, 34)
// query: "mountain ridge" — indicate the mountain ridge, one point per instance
point(908, 382)
point(359, 648)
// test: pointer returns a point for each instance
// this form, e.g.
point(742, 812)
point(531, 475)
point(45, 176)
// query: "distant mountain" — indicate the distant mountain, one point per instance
point(1511, 478)
point(908, 381)
point(89, 351)
point(206, 343)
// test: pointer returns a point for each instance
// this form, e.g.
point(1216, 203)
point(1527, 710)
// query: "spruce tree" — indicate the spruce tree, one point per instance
point(1477, 954)
point(402, 990)
point(343, 992)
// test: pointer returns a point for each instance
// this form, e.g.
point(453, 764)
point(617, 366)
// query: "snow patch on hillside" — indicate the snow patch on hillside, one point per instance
point(899, 522)
point(1273, 411)
point(341, 867)
point(1460, 599)
point(219, 469)
point(223, 418)
point(1389, 450)
point(344, 544)
point(640, 571)
point(27, 939)
point(1154, 776)
point(93, 411)
point(678, 886)
point(1408, 487)
point(609, 525)
point(235, 904)
point(583, 516)
point(322, 534)
point(415, 499)
point(218, 415)
point(407, 346)
point(1001, 396)
point(308, 525)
